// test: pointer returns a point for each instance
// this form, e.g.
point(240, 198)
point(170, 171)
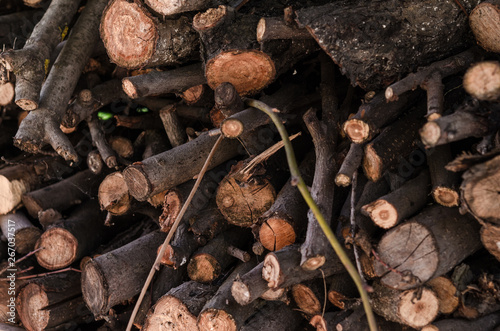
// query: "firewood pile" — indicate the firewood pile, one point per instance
point(110, 109)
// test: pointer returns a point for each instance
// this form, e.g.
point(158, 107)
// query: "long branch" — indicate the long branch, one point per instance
point(296, 178)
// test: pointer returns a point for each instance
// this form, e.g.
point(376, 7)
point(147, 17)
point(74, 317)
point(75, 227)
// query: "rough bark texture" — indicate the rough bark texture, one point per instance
point(274, 316)
point(487, 323)
point(172, 7)
point(250, 286)
point(18, 229)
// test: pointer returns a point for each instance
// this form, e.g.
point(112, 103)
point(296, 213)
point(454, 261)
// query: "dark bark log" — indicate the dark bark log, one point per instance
point(482, 80)
point(71, 239)
point(103, 284)
point(350, 165)
point(175, 131)
point(18, 229)
point(180, 250)
point(179, 165)
point(28, 63)
point(396, 142)
point(271, 28)
point(222, 312)
point(389, 210)
point(375, 42)
point(143, 122)
point(486, 323)
point(179, 308)
point(63, 194)
point(100, 142)
point(136, 39)
point(479, 191)
point(440, 238)
point(172, 7)
point(207, 224)
point(446, 293)
point(484, 22)
point(444, 182)
point(250, 286)
point(342, 291)
point(410, 308)
point(162, 82)
point(195, 113)
point(42, 126)
point(227, 99)
point(274, 316)
point(16, 27)
point(51, 301)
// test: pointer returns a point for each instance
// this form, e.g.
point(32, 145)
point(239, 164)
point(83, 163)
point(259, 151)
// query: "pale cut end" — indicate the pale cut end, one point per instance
point(342, 180)
point(170, 7)
point(382, 213)
point(94, 162)
point(433, 117)
point(171, 208)
point(389, 94)
point(306, 300)
point(137, 182)
point(32, 301)
point(248, 70)
point(85, 96)
point(271, 271)
point(122, 146)
point(430, 134)
point(113, 194)
point(357, 130)
point(26, 104)
point(167, 258)
point(445, 196)
point(7, 94)
point(170, 313)
point(319, 323)
point(261, 29)
point(418, 313)
point(129, 34)
point(484, 21)
point(482, 80)
point(193, 94)
point(276, 233)
point(203, 268)
point(129, 88)
point(216, 320)
point(430, 327)
point(94, 288)
point(59, 248)
point(275, 294)
point(241, 293)
point(210, 18)
point(12, 192)
point(446, 293)
point(231, 128)
point(313, 263)
point(372, 164)
point(158, 199)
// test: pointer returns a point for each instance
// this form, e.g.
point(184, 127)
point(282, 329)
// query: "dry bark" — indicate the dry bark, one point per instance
point(350, 165)
point(173, 127)
point(484, 22)
point(18, 229)
point(487, 323)
point(444, 182)
point(172, 7)
point(207, 224)
point(271, 28)
point(199, 96)
point(274, 316)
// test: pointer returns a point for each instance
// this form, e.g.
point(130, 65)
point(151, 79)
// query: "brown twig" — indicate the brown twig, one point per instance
point(462, 7)
point(22, 259)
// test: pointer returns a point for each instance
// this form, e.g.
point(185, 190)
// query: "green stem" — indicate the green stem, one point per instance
point(297, 178)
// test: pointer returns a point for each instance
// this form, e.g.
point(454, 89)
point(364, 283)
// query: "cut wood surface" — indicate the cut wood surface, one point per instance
point(490, 236)
point(482, 80)
point(484, 22)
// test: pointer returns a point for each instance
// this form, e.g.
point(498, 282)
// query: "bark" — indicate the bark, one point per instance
point(444, 182)
point(446, 293)
point(409, 307)
point(144, 122)
point(172, 7)
point(42, 126)
point(342, 291)
point(440, 238)
point(199, 96)
point(250, 286)
point(173, 127)
point(136, 39)
point(179, 308)
point(18, 229)
point(51, 301)
point(282, 268)
point(490, 237)
point(162, 82)
point(195, 113)
point(271, 28)
point(374, 42)
point(103, 284)
point(274, 316)
point(182, 247)
point(482, 80)
point(487, 323)
point(63, 194)
point(100, 142)
point(179, 165)
point(479, 190)
point(396, 142)
point(350, 165)
point(69, 240)
point(484, 22)
point(16, 27)
point(221, 312)
point(391, 209)
point(207, 224)
point(227, 100)
point(28, 63)
point(113, 194)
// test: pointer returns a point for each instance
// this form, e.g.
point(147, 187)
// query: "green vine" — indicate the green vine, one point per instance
point(301, 185)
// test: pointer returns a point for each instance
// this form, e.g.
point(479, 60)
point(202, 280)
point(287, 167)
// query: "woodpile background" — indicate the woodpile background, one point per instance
point(109, 110)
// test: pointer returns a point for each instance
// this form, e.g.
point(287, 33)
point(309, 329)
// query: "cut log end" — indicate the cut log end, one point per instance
point(33, 300)
point(170, 313)
point(389, 94)
point(94, 296)
point(210, 18)
point(122, 146)
point(129, 34)
point(193, 94)
point(482, 80)
point(232, 128)
point(59, 248)
point(113, 194)
point(430, 133)
point(137, 182)
point(7, 94)
point(418, 313)
point(261, 29)
point(271, 271)
point(485, 25)
point(129, 88)
point(203, 268)
point(171, 208)
point(306, 300)
point(249, 71)
point(446, 293)
point(342, 180)
point(216, 320)
point(313, 263)
point(357, 130)
point(382, 213)
point(11, 194)
point(167, 258)
point(445, 196)
point(433, 117)
point(490, 235)
point(276, 233)
point(241, 293)
point(372, 164)
point(319, 323)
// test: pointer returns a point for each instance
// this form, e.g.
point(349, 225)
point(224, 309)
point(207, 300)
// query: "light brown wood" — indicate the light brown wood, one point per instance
point(446, 293)
point(482, 80)
point(485, 24)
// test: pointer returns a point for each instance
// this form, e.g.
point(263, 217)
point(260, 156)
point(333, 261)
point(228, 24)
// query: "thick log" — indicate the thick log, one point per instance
point(482, 80)
point(389, 210)
point(444, 182)
point(136, 39)
point(479, 190)
point(18, 230)
point(162, 82)
point(484, 22)
point(71, 239)
point(179, 165)
point(63, 194)
point(446, 293)
point(51, 301)
point(222, 312)
point(282, 268)
point(398, 140)
point(103, 284)
point(155, 142)
point(409, 307)
point(179, 308)
point(440, 238)
point(490, 237)
point(274, 316)
point(486, 323)
point(28, 64)
point(210, 261)
point(208, 224)
point(374, 42)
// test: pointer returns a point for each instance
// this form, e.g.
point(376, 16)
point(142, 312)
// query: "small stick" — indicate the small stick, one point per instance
point(354, 226)
point(44, 274)
point(238, 253)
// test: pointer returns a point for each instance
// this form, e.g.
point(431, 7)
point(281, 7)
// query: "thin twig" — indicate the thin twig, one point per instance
point(22, 259)
point(44, 274)
point(354, 225)
point(297, 178)
point(159, 256)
